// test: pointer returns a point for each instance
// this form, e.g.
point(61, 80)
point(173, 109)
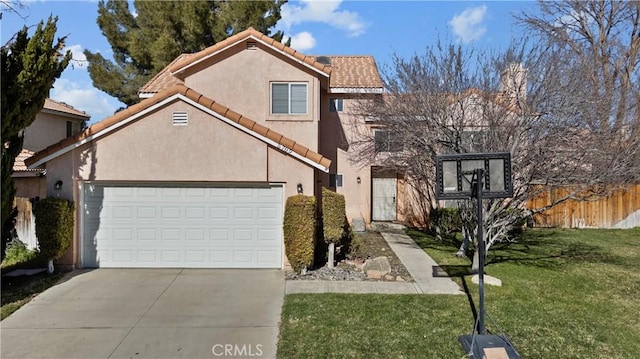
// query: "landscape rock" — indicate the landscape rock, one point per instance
point(380, 264)
point(389, 277)
point(489, 280)
point(374, 274)
point(399, 279)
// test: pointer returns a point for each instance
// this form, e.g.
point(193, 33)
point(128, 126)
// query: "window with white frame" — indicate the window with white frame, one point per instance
point(387, 141)
point(336, 104)
point(289, 98)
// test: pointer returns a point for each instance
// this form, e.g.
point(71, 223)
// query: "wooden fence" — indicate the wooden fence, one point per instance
point(621, 209)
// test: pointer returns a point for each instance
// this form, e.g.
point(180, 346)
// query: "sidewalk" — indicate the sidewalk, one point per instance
point(414, 258)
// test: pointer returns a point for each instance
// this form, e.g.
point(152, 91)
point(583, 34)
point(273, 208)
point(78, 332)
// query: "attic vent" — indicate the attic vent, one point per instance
point(251, 45)
point(325, 60)
point(180, 119)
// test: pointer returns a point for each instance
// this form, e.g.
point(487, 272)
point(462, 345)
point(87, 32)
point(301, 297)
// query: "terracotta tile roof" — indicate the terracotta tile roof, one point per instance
point(250, 32)
point(346, 72)
point(351, 72)
point(18, 164)
point(55, 106)
point(163, 79)
point(200, 99)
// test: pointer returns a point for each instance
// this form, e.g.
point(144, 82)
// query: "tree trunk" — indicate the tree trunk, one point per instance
point(466, 240)
point(475, 266)
point(331, 255)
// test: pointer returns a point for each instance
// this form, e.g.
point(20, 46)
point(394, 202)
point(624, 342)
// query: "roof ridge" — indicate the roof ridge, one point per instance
point(64, 104)
point(199, 98)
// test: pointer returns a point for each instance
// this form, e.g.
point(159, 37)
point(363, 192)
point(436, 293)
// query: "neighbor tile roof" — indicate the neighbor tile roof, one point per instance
point(62, 107)
point(347, 72)
point(354, 72)
point(18, 164)
point(200, 99)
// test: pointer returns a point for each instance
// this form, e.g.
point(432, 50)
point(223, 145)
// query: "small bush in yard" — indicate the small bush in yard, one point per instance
point(54, 226)
point(299, 231)
point(446, 220)
point(17, 252)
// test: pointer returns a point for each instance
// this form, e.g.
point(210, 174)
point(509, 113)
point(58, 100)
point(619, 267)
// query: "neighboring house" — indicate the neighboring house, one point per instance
point(53, 123)
point(56, 121)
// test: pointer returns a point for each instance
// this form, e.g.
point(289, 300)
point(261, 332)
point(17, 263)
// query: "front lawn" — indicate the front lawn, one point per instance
point(565, 294)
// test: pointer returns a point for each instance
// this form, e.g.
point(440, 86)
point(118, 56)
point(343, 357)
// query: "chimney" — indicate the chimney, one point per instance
point(513, 81)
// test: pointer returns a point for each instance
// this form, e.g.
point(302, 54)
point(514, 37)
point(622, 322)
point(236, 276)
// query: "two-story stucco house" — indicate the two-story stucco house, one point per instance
point(197, 173)
point(53, 123)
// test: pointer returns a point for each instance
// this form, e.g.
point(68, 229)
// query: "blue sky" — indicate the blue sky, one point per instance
point(325, 27)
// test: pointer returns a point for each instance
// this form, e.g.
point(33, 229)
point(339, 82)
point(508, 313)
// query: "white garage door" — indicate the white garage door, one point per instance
point(182, 226)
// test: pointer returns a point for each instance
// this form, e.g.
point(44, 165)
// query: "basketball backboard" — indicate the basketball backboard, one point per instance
point(454, 175)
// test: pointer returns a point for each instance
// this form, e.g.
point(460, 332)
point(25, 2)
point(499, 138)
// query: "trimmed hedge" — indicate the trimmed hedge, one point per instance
point(446, 219)
point(54, 226)
point(333, 216)
point(299, 231)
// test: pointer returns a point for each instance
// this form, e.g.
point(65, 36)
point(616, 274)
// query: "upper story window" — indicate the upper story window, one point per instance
point(289, 98)
point(335, 105)
point(387, 141)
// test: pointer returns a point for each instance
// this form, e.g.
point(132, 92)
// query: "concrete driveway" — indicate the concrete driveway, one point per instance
point(150, 313)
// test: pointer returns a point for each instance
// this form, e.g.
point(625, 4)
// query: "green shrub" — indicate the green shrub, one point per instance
point(17, 252)
point(333, 216)
point(299, 231)
point(446, 219)
point(54, 226)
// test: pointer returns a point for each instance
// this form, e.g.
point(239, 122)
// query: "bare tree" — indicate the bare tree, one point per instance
point(566, 110)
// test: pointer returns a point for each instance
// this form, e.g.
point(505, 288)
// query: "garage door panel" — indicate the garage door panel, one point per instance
point(199, 227)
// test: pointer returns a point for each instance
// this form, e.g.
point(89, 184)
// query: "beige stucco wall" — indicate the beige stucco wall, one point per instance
point(338, 132)
point(153, 149)
point(46, 130)
point(241, 81)
point(30, 187)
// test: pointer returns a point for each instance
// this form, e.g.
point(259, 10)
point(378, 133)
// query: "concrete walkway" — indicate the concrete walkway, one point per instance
point(414, 258)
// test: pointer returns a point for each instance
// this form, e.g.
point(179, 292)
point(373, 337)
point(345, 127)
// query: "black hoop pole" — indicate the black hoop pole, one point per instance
point(481, 249)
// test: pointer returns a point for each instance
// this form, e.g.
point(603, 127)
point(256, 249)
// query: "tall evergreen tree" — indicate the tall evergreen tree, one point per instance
point(145, 43)
point(30, 65)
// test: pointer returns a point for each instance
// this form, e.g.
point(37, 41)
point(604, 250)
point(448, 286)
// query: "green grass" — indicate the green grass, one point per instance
point(18, 291)
point(565, 294)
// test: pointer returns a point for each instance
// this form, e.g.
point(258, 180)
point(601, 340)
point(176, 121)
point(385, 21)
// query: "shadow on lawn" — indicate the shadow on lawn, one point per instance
point(542, 249)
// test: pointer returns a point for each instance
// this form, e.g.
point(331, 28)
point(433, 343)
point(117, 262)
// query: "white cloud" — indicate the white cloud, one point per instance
point(84, 98)
point(467, 25)
point(303, 41)
point(326, 11)
point(78, 58)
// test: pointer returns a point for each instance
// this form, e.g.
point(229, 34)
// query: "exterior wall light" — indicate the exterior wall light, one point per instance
point(58, 185)
point(358, 180)
point(299, 188)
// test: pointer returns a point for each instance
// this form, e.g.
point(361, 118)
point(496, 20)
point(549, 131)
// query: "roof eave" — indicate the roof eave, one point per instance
point(361, 90)
point(182, 69)
point(66, 114)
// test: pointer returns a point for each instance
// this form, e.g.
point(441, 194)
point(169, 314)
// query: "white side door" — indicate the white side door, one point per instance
point(384, 199)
